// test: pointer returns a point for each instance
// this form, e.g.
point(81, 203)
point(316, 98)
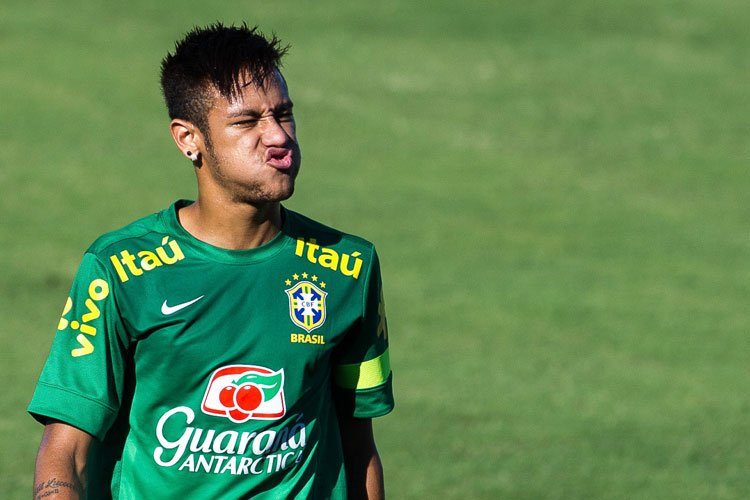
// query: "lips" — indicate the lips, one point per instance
point(279, 158)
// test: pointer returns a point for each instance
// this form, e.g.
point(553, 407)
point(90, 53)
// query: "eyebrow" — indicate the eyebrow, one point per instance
point(285, 106)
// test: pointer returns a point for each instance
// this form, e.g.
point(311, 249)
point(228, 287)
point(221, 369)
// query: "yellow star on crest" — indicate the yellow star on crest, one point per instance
point(322, 284)
point(304, 275)
point(295, 276)
point(288, 282)
point(314, 278)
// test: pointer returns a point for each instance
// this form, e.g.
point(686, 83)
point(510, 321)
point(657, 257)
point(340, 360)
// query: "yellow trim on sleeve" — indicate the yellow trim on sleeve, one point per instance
point(365, 375)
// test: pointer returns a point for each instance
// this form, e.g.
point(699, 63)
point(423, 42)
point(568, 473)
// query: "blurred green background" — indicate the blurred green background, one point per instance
point(557, 190)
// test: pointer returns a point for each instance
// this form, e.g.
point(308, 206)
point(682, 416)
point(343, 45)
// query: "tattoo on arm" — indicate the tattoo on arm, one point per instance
point(46, 489)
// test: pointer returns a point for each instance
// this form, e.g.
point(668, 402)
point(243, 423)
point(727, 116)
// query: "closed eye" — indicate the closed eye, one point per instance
point(247, 123)
point(285, 116)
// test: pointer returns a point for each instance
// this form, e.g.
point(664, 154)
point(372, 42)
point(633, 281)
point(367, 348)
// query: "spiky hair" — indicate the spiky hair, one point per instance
point(224, 58)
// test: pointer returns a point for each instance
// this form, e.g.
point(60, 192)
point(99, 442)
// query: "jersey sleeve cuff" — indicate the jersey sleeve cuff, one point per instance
point(366, 403)
point(89, 415)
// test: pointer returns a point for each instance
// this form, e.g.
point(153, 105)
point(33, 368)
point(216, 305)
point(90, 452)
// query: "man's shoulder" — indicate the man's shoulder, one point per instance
point(308, 230)
point(145, 229)
point(331, 248)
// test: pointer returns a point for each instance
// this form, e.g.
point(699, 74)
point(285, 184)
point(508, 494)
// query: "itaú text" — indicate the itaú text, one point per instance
point(228, 452)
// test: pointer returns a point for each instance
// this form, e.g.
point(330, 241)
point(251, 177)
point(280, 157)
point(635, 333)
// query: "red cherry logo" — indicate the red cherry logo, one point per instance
point(226, 396)
point(248, 397)
point(238, 415)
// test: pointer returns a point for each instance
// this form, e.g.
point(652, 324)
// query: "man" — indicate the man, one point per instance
point(226, 348)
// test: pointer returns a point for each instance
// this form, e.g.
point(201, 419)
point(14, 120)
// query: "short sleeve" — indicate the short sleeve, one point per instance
point(362, 370)
point(82, 381)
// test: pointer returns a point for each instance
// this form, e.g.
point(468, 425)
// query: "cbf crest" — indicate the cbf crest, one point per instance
point(307, 303)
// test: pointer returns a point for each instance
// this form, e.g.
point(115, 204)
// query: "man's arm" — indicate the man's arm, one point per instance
point(60, 472)
point(364, 472)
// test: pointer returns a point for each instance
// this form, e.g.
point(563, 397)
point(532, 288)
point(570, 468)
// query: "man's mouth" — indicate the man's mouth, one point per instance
point(280, 158)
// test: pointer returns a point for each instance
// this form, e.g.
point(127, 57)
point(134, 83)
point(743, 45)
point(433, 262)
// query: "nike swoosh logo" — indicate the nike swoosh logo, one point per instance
point(167, 310)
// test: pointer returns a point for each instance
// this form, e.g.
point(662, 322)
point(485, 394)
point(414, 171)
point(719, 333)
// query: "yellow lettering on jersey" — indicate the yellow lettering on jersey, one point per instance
point(87, 348)
point(149, 260)
point(329, 258)
point(88, 330)
point(98, 290)
point(126, 264)
point(63, 324)
point(93, 311)
point(302, 338)
point(118, 267)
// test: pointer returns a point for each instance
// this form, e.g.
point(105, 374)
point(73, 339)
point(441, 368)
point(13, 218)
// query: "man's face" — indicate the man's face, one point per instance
point(252, 155)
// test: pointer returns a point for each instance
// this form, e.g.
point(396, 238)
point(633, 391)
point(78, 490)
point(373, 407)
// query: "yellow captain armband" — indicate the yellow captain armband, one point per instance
point(365, 375)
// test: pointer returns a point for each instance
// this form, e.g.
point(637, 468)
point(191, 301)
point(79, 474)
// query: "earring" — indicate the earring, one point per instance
point(192, 156)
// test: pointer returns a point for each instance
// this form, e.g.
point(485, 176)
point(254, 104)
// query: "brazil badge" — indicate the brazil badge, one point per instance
point(307, 305)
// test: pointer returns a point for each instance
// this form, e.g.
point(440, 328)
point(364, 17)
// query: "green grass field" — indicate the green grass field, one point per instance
point(558, 192)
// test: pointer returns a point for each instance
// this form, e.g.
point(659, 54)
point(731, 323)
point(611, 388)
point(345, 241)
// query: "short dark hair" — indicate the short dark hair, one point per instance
point(225, 58)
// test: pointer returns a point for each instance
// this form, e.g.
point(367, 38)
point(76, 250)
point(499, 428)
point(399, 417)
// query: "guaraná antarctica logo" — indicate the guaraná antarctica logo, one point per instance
point(307, 302)
point(244, 392)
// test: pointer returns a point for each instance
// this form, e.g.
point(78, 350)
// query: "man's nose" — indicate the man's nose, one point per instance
point(273, 133)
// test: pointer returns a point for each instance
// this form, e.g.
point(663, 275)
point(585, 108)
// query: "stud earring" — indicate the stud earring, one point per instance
point(192, 156)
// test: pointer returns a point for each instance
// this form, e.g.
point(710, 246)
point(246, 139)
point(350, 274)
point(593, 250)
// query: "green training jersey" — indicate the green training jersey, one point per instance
point(212, 373)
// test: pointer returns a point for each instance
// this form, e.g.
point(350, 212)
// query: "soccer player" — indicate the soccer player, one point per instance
point(223, 348)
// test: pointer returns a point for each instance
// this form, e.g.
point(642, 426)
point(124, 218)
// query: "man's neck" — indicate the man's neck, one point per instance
point(231, 225)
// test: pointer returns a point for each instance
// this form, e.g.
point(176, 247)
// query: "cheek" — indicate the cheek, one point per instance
point(243, 144)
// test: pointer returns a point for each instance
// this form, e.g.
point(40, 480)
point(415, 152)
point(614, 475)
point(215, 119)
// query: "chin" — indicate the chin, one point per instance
point(284, 190)
point(286, 194)
point(262, 196)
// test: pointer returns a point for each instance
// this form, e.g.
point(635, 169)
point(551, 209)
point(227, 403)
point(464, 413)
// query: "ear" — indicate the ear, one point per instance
point(188, 138)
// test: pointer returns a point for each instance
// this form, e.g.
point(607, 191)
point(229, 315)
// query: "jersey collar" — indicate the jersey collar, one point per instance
point(249, 256)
